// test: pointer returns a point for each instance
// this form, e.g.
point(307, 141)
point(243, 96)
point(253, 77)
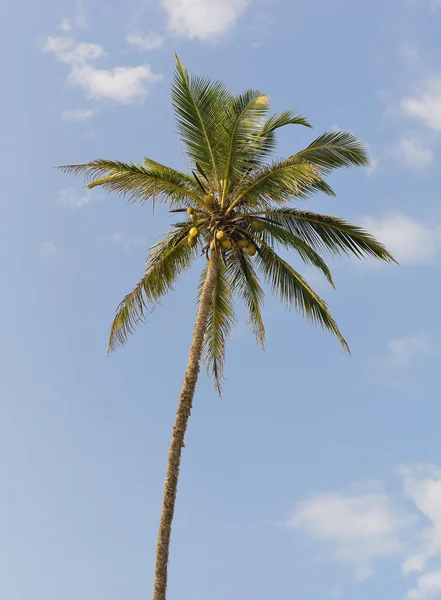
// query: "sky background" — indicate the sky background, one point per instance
point(316, 476)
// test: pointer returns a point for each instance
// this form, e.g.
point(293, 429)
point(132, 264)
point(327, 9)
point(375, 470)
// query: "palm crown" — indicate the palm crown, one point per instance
point(235, 208)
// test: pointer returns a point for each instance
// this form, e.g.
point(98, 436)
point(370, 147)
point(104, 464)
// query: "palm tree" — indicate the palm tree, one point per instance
point(234, 206)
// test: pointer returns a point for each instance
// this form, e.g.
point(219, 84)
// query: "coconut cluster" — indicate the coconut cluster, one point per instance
point(224, 239)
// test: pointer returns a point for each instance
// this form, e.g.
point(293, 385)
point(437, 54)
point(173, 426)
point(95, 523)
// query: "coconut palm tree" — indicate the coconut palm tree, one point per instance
point(235, 210)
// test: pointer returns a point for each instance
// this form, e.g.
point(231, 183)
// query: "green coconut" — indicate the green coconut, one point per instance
point(242, 243)
point(192, 240)
point(190, 210)
point(209, 200)
point(257, 226)
point(220, 234)
point(226, 244)
point(251, 250)
point(194, 232)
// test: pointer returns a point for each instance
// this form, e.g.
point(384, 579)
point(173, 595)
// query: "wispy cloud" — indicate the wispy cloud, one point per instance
point(366, 528)
point(77, 115)
point(425, 103)
point(413, 152)
point(48, 249)
point(74, 197)
point(122, 85)
point(145, 41)
point(403, 352)
point(65, 25)
point(206, 20)
point(78, 20)
point(422, 484)
point(360, 527)
point(128, 242)
point(411, 241)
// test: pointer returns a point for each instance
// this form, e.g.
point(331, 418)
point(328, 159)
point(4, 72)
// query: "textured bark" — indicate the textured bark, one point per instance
point(179, 429)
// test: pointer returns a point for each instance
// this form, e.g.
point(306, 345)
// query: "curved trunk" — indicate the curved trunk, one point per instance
point(179, 429)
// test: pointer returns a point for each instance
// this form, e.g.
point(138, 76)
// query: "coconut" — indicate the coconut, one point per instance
point(190, 210)
point(226, 244)
point(209, 200)
point(257, 226)
point(220, 234)
point(194, 232)
point(242, 243)
point(212, 245)
point(192, 240)
point(251, 250)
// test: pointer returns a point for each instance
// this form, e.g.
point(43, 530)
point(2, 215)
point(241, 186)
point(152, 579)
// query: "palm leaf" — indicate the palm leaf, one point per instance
point(288, 117)
point(325, 233)
point(201, 106)
point(274, 233)
point(137, 183)
point(245, 284)
point(167, 261)
point(333, 150)
point(247, 112)
point(295, 292)
point(279, 182)
point(221, 319)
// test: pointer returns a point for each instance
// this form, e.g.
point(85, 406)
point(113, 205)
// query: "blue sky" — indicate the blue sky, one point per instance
point(317, 476)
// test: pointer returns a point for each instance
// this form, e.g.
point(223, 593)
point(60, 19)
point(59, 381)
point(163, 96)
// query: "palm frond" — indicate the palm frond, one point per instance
point(247, 113)
point(275, 233)
point(288, 117)
point(245, 284)
point(325, 233)
point(167, 260)
point(294, 292)
point(221, 319)
point(278, 183)
point(201, 106)
point(136, 182)
point(333, 150)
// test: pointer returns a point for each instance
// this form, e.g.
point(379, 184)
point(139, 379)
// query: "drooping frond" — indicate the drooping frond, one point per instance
point(329, 234)
point(274, 233)
point(294, 292)
point(247, 113)
point(167, 260)
point(333, 150)
point(201, 108)
point(136, 182)
point(288, 117)
point(278, 183)
point(245, 284)
point(221, 319)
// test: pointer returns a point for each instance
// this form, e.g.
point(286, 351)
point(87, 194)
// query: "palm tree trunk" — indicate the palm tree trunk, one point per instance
point(179, 429)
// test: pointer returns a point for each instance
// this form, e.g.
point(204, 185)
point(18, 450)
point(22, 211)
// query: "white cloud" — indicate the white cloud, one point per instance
point(428, 586)
point(76, 115)
point(404, 351)
point(48, 249)
point(422, 484)
point(74, 197)
point(365, 528)
point(205, 20)
point(410, 241)
point(65, 49)
point(146, 41)
point(65, 25)
point(425, 105)
point(123, 85)
point(413, 153)
point(362, 527)
point(128, 243)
